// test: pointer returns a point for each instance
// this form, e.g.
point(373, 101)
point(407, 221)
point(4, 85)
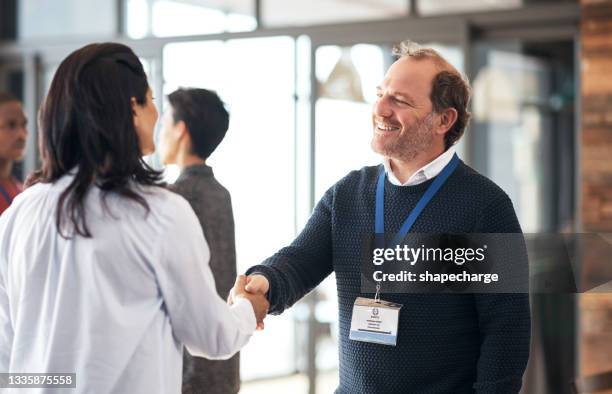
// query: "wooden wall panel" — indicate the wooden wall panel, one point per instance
point(596, 172)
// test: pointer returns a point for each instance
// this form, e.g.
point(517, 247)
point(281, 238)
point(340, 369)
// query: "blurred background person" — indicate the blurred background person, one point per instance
point(192, 127)
point(13, 135)
point(103, 272)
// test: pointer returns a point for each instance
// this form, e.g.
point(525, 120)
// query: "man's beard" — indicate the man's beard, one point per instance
point(416, 140)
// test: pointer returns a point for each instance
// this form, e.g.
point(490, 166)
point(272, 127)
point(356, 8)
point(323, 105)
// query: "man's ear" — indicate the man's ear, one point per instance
point(180, 128)
point(447, 119)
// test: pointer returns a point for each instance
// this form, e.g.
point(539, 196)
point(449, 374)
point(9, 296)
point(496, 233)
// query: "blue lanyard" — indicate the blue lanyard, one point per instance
point(6, 196)
point(431, 191)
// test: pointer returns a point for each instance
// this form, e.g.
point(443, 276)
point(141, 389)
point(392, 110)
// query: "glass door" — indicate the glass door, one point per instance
point(523, 127)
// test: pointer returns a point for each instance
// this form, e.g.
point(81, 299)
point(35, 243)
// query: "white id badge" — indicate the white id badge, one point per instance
point(375, 322)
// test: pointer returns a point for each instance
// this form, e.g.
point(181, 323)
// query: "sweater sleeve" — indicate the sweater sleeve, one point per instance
point(296, 269)
point(504, 318)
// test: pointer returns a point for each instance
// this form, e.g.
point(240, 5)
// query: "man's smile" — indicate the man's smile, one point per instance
point(384, 127)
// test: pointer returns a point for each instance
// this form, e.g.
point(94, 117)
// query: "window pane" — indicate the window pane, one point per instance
point(432, 7)
point(138, 19)
point(59, 18)
point(522, 118)
point(299, 12)
point(255, 162)
point(165, 18)
point(429, 7)
point(343, 118)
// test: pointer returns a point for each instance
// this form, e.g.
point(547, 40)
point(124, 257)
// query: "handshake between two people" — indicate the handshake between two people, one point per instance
point(255, 289)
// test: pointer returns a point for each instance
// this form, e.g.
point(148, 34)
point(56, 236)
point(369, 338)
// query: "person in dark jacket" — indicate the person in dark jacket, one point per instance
point(192, 128)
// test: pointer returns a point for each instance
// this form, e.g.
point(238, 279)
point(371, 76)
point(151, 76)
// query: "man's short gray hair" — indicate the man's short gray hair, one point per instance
point(449, 89)
point(407, 48)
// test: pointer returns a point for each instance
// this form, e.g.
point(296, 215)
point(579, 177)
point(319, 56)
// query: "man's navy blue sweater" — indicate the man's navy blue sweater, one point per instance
point(447, 343)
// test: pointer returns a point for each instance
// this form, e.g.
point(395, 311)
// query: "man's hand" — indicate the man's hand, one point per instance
point(257, 284)
point(258, 299)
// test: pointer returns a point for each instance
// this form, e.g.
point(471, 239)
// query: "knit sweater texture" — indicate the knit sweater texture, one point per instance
point(447, 343)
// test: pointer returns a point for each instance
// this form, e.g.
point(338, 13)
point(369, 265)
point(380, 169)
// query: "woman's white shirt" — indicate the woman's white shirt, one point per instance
point(116, 308)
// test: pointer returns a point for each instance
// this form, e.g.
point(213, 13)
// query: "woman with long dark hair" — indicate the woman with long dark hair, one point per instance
point(103, 272)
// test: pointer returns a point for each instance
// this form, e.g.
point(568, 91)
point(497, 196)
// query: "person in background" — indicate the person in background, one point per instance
point(192, 128)
point(13, 136)
point(104, 272)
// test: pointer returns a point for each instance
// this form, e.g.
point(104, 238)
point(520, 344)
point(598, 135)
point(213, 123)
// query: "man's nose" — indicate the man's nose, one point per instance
point(382, 108)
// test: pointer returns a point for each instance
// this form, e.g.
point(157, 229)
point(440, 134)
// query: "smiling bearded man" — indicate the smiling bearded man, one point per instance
point(444, 343)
